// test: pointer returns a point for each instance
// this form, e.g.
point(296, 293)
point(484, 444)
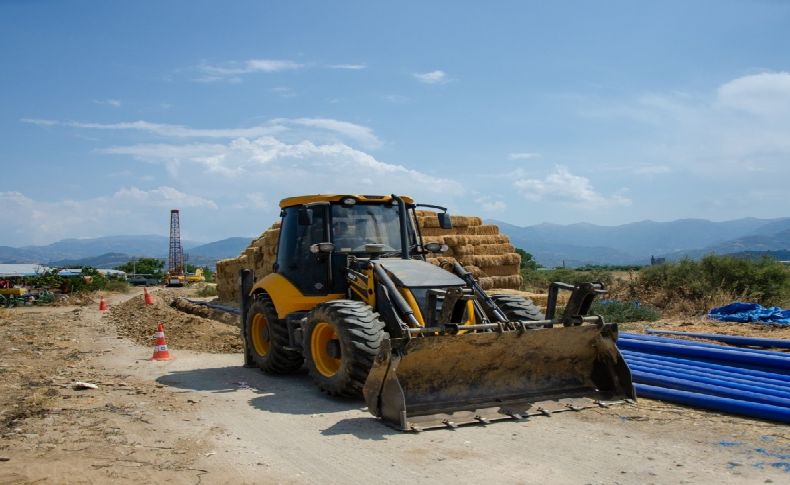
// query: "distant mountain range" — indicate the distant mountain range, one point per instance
point(551, 244)
point(635, 243)
point(111, 251)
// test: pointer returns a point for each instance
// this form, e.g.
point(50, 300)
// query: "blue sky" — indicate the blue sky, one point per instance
point(528, 112)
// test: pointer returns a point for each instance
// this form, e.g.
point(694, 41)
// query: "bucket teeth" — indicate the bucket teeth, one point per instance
point(450, 381)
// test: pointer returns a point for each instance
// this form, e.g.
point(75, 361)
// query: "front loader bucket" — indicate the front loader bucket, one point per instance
point(477, 377)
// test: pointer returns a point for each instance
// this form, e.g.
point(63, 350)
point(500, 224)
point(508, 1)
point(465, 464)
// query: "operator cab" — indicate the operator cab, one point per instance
point(356, 226)
point(320, 233)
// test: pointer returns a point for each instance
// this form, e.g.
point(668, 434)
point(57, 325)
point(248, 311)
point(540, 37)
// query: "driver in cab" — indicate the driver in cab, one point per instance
point(345, 237)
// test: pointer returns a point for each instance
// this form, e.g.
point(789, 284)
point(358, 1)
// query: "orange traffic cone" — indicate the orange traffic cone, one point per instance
point(160, 348)
point(102, 304)
point(149, 300)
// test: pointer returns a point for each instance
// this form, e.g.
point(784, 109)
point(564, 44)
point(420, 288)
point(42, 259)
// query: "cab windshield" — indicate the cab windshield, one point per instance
point(354, 226)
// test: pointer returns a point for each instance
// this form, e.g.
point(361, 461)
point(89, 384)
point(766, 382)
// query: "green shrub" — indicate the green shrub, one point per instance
point(693, 287)
point(114, 284)
point(539, 281)
point(625, 311)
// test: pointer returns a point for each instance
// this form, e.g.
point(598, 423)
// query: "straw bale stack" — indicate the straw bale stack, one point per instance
point(479, 247)
point(259, 257)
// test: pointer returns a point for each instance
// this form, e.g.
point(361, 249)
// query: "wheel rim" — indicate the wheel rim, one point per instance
point(260, 334)
point(323, 333)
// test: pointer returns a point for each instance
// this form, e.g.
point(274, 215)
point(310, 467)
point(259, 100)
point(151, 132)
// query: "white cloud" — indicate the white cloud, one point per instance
point(233, 70)
point(163, 197)
point(360, 133)
point(115, 103)
point(352, 131)
point(256, 201)
point(326, 167)
point(564, 187)
point(352, 67)
point(165, 130)
point(767, 93)
point(491, 205)
point(433, 77)
point(523, 156)
point(740, 126)
point(129, 210)
point(40, 122)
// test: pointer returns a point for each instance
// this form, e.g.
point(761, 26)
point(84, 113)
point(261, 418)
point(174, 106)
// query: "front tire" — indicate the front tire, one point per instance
point(267, 339)
point(342, 338)
point(517, 307)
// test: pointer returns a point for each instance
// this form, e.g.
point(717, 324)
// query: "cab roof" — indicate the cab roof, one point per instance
point(309, 199)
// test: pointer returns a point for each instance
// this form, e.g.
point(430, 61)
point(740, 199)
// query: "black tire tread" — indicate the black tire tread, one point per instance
point(360, 331)
point(279, 360)
point(516, 307)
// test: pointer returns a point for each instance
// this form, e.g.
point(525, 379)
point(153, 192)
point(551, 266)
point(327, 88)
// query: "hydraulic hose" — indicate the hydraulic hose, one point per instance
point(716, 403)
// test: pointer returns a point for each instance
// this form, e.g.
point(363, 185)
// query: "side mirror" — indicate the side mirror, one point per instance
point(305, 216)
point(324, 247)
point(444, 220)
point(435, 247)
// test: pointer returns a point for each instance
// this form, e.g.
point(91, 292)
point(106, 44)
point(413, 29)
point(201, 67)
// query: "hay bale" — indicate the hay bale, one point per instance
point(503, 270)
point(513, 282)
point(485, 260)
point(503, 248)
point(484, 229)
point(465, 239)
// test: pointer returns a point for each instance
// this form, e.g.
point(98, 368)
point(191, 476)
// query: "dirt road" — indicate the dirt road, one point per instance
point(202, 418)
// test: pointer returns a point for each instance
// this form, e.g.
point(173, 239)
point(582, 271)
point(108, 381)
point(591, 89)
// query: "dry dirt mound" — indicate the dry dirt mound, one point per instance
point(138, 322)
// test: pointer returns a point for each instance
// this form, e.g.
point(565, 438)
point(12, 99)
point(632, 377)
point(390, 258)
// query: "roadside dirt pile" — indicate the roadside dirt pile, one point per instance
point(138, 322)
point(54, 431)
point(479, 247)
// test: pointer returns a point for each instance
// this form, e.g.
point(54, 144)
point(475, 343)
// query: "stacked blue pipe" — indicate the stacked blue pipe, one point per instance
point(743, 381)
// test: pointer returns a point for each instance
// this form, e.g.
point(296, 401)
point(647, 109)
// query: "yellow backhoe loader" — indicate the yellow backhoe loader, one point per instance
point(353, 299)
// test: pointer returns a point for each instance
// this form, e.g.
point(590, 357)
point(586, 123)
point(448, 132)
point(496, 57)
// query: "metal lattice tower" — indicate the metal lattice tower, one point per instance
point(175, 258)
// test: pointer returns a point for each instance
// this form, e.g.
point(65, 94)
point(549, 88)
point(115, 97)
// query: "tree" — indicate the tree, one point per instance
point(152, 266)
point(527, 260)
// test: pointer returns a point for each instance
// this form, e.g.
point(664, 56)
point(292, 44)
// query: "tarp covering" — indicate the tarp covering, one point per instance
point(750, 312)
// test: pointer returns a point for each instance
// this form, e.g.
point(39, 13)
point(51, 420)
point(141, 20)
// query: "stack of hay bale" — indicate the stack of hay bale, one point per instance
point(479, 247)
point(259, 256)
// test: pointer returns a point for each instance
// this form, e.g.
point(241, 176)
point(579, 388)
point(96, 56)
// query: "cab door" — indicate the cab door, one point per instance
point(303, 226)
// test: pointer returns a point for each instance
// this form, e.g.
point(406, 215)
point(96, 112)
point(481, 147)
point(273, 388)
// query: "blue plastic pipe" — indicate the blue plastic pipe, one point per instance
point(734, 356)
point(715, 390)
point(773, 376)
point(729, 339)
point(701, 368)
point(716, 403)
point(747, 386)
point(778, 389)
point(694, 343)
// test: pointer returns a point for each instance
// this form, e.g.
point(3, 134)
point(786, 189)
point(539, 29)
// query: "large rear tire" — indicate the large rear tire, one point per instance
point(342, 338)
point(517, 307)
point(267, 339)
